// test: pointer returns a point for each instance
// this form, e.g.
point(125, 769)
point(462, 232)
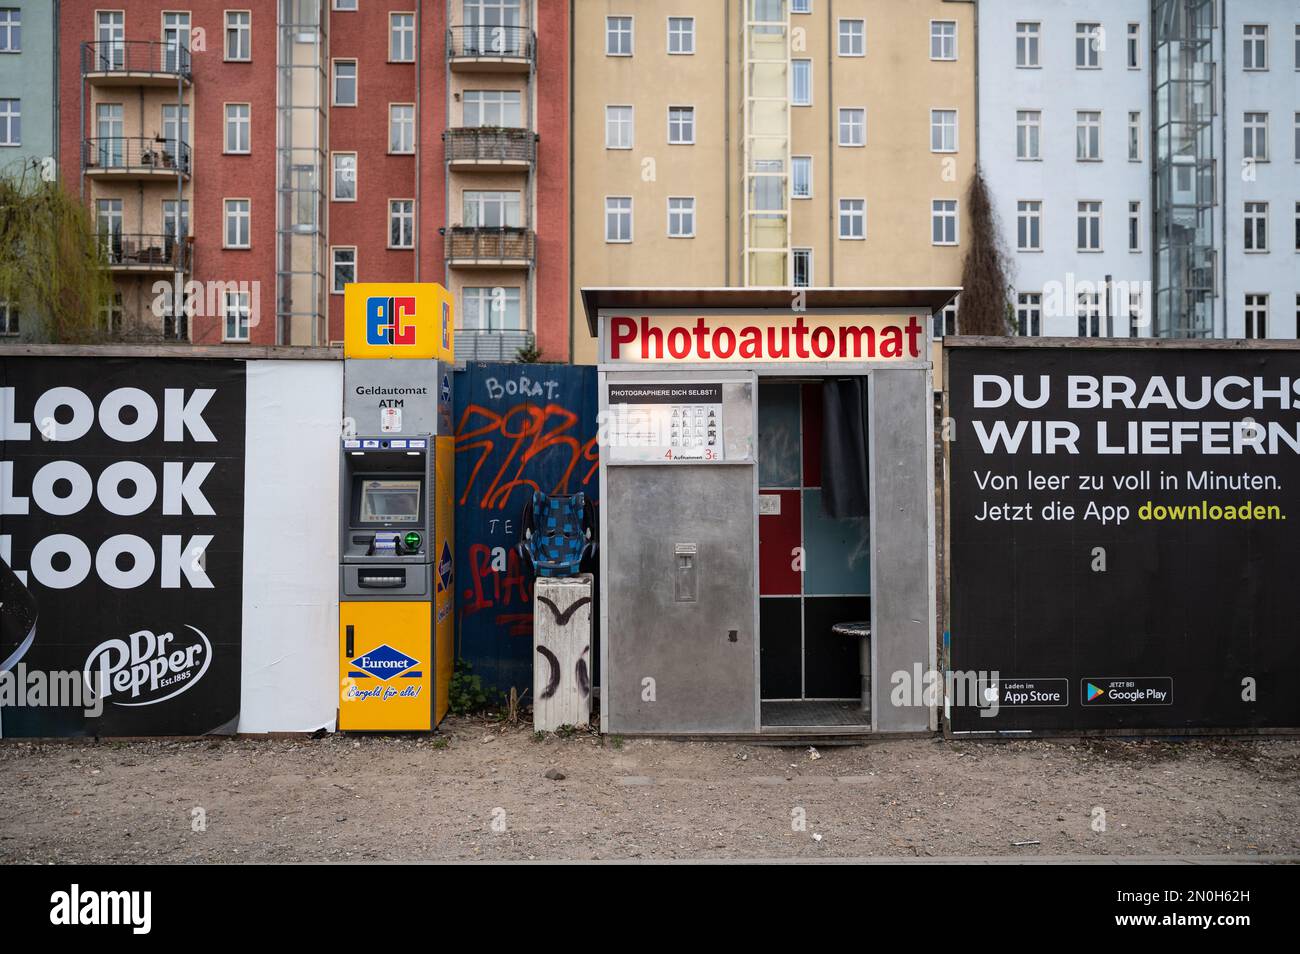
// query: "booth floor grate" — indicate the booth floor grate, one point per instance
point(814, 713)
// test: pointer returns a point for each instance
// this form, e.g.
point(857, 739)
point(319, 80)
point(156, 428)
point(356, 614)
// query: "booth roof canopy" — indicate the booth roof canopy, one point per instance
point(904, 299)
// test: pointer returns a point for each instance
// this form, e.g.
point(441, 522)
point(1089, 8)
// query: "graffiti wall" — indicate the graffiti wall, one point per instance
point(519, 428)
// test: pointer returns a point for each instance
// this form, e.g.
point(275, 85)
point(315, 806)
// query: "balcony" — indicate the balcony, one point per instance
point(135, 158)
point(146, 253)
point(491, 49)
point(473, 345)
point(135, 63)
point(490, 247)
point(491, 149)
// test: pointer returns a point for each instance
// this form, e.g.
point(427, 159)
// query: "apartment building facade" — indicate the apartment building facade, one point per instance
point(770, 143)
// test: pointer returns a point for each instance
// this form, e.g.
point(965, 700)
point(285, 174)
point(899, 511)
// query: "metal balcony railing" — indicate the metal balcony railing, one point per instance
point(498, 42)
point(156, 58)
point(490, 144)
point(135, 154)
point(146, 251)
point(474, 345)
point(487, 245)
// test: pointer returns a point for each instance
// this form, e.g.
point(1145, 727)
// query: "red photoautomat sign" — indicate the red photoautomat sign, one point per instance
point(763, 338)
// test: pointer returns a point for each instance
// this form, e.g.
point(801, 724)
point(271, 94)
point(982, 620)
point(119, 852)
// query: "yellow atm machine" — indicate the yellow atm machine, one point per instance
point(396, 479)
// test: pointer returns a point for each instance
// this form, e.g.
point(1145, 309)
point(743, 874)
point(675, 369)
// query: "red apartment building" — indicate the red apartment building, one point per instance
point(310, 143)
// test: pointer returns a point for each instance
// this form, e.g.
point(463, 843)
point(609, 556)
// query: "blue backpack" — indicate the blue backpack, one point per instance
point(557, 533)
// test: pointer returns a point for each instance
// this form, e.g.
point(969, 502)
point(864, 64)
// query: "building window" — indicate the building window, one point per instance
point(344, 177)
point(681, 216)
point(490, 308)
point(239, 35)
point(618, 36)
point(343, 268)
point(1087, 126)
point(943, 222)
point(945, 323)
point(9, 324)
point(238, 223)
point(1256, 316)
point(1029, 314)
point(1088, 237)
point(11, 122)
point(1297, 66)
point(1134, 137)
point(1088, 310)
point(174, 226)
point(492, 107)
point(618, 218)
point(1255, 137)
point(801, 6)
point(801, 267)
point(1087, 46)
point(681, 35)
point(401, 223)
point(176, 41)
point(801, 82)
point(1029, 123)
point(238, 128)
point(236, 313)
point(1254, 40)
point(1029, 225)
point(1133, 46)
point(345, 82)
point(618, 127)
point(11, 37)
point(943, 130)
point(853, 127)
point(401, 128)
point(1297, 230)
point(1027, 37)
point(110, 38)
point(801, 177)
point(681, 125)
point(1135, 226)
point(853, 37)
point(491, 210)
point(1256, 227)
point(1297, 137)
point(943, 39)
point(853, 218)
point(345, 4)
point(401, 37)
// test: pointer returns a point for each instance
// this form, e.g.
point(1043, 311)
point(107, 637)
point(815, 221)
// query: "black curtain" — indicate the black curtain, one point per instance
point(845, 491)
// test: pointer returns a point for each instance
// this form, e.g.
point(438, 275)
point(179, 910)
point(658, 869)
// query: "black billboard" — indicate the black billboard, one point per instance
point(121, 538)
point(1120, 539)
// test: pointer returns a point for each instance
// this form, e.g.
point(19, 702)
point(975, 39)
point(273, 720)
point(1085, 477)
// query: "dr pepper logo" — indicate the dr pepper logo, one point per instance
point(390, 321)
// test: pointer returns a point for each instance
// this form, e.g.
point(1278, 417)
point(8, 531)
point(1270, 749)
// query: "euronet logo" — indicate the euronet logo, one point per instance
point(76, 907)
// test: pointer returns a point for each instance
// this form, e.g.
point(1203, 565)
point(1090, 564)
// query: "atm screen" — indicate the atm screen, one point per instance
point(390, 501)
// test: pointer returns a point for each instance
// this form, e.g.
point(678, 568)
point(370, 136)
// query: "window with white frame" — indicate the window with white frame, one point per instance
point(237, 310)
point(1029, 225)
point(1028, 35)
point(9, 319)
point(1137, 311)
point(1133, 46)
point(1087, 126)
point(492, 107)
point(1135, 226)
point(493, 209)
point(801, 177)
point(681, 125)
point(11, 30)
point(239, 35)
point(681, 35)
point(343, 267)
point(491, 308)
point(176, 34)
point(11, 122)
point(401, 223)
point(1255, 226)
point(1029, 314)
point(943, 39)
point(945, 322)
point(239, 127)
point(1087, 46)
point(1088, 310)
point(618, 127)
point(1029, 124)
point(943, 130)
point(853, 218)
point(801, 82)
point(1254, 43)
point(801, 272)
point(1134, 137)
point(401, 37)
point(401, 127)
point(852, 37)
point(618, 218)
point(681, 216)
point(344, 177)
point(618, 36)
point(1255, 137)
point(238, 227)
point(345, 4)
point(1256, 314)
point(853, 126)
point(801, 6)
point(1088, 230)
point(345, 83)
point(943, 222)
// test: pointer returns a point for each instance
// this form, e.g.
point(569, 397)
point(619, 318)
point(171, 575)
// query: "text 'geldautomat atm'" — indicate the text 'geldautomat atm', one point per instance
point(395, 508)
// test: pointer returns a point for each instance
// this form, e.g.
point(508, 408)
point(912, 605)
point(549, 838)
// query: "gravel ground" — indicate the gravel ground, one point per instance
point(482, 791)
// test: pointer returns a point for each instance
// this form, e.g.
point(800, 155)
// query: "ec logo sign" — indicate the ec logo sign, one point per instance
point(390, 321)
